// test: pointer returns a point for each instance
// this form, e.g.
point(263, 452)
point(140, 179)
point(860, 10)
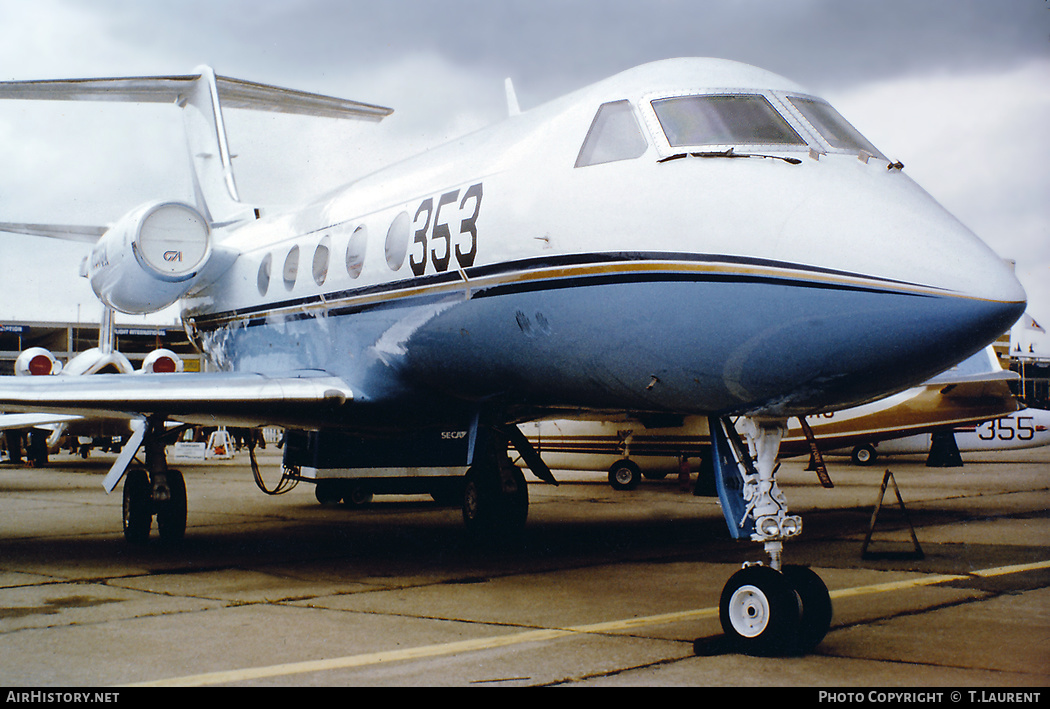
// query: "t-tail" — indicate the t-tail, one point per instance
point(201, 96)
point(161, 248)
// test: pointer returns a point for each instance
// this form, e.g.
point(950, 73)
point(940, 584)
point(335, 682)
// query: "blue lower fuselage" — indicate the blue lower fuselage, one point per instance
point(620, 333)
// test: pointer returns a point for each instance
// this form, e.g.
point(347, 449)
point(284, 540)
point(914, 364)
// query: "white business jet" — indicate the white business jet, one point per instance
point(690, 237)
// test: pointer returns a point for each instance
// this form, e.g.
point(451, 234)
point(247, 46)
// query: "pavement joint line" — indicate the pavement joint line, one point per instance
point(539, 635)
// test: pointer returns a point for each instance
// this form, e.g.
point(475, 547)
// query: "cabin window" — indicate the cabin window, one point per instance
point(355, 251)
point(291, 267)
point(264, 274)
point(723, 120)
point(320, 265)
point(614, 135)
point(832, 127)
point(397, 240)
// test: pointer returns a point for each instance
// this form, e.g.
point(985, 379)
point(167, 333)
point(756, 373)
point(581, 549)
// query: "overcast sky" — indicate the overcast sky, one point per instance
point(958, 90)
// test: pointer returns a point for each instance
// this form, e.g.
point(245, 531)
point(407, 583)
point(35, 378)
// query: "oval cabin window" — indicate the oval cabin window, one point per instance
point(264, 274)
point(321, 256)
point(355, 252)
point(291, 268)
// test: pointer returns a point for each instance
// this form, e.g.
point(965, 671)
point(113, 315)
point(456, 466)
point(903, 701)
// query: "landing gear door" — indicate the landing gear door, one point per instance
point(729, 482)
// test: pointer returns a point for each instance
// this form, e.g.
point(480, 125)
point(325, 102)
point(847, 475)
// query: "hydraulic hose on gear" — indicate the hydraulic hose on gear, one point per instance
point(289, 478)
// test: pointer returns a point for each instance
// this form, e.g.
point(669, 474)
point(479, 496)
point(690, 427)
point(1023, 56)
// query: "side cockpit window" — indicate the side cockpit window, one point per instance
point(832, 127)
point(614, 135)
point(721, 119)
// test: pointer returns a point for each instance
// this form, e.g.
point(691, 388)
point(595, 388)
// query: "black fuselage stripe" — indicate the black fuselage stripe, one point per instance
point(416, 287)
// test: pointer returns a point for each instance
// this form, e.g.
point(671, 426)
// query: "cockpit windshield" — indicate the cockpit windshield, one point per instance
point(832, 127)
point(735, 119)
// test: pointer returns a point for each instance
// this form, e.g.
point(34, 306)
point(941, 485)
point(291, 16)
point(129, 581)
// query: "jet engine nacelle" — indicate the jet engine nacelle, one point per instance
point(150, 258)
point(161, 361)
point(36, 361)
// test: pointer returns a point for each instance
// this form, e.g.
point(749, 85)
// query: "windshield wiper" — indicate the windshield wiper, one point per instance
point(731, 154)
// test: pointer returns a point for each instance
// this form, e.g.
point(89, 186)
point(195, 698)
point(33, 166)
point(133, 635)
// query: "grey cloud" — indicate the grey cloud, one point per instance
point(556, 45)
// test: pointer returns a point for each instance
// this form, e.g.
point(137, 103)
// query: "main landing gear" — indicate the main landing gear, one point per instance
point(495, 494)
point(764, 609)
point(154, 491)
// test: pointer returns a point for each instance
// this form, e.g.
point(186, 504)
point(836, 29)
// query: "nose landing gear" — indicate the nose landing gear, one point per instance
point(764, 609)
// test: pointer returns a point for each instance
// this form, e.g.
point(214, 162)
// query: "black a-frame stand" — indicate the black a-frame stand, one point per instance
point(916, 552)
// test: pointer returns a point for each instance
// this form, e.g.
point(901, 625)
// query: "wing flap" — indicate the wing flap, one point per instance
point(235, 398)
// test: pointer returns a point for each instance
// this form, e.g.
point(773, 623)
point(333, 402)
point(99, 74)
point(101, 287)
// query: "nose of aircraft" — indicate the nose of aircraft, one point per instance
point(949, 294)
point(885, 226)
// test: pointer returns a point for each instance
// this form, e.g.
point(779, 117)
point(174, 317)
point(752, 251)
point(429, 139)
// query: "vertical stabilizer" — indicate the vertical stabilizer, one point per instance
point(513, 108)
point(214, 187)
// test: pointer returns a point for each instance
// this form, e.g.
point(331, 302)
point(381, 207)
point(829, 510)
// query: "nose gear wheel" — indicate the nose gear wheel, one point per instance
point(772, 609)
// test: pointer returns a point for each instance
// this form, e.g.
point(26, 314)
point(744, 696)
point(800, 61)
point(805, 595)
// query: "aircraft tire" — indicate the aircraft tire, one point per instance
point(493, 511)
point(356, 495)
point(328, 492)
point(624, 475)
point(137, 507)
point(864, 454)
point(37, 449)
point(760, 612)
point(816, 606)
point(171, 515)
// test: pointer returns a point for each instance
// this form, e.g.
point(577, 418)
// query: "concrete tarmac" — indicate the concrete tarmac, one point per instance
point(609, 589)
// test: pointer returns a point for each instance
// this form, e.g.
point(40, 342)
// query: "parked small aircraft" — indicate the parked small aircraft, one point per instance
point(972, 392)
point(693, 237)
point(1027, 428)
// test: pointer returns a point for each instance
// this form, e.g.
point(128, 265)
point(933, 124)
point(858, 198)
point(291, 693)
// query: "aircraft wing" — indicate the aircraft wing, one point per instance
point(981, 388)
point(9, 421)
point(203, 398)
point(980, 376)
point(983, 366)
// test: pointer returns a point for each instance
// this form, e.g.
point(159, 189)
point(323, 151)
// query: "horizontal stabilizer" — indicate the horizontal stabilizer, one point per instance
point(68, 232)
point(234, 93)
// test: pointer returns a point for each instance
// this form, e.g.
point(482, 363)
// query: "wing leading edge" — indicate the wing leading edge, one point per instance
point(206, 398)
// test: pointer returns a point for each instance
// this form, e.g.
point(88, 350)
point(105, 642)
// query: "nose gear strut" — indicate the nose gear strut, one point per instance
point(764, 609)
